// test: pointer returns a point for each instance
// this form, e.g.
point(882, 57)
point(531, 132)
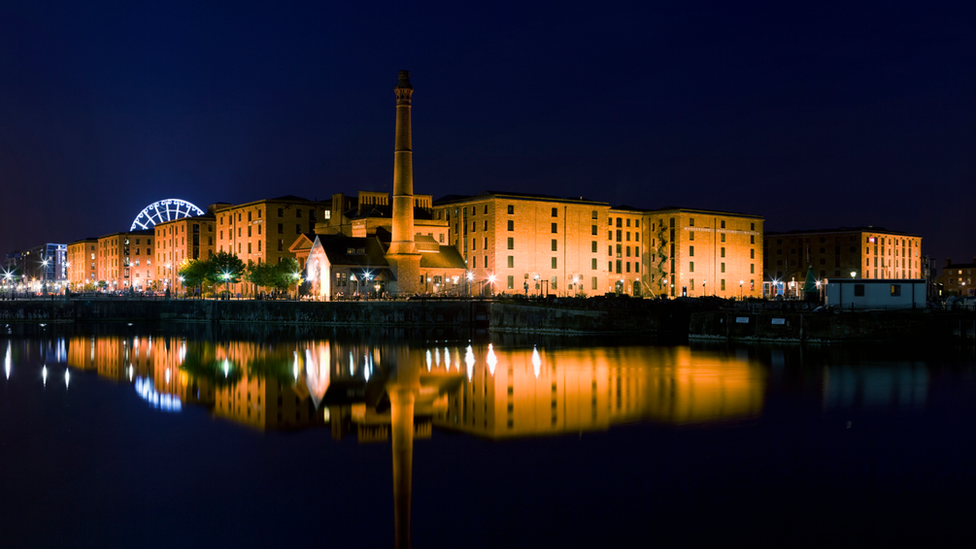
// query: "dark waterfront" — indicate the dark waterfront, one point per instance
point(188, 436)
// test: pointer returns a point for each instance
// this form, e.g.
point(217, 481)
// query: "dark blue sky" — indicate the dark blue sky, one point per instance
point(812, 115)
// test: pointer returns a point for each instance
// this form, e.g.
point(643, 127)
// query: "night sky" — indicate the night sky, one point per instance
point(812, 115)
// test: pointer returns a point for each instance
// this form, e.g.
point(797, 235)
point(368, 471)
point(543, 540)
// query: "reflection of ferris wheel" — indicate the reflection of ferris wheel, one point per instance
point(162, 211)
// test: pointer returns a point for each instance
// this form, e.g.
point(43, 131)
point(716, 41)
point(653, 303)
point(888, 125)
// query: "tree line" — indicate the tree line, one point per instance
point(226, 268)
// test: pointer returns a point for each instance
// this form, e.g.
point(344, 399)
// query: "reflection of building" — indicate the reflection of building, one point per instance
point(867, 252)
point(958, 279)
point(179, 241)
point(528, 392)
point(125, 260)
point(259, 396)
point(904, 386)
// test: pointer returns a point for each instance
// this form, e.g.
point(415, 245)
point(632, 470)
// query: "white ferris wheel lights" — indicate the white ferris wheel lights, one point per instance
point(162, 211)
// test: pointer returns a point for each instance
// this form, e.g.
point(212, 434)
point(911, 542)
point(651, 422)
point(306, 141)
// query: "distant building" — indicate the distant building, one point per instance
point(83, 263)
point(849, 252)
point(44, 265)
point(179, 241)
point(957, 279)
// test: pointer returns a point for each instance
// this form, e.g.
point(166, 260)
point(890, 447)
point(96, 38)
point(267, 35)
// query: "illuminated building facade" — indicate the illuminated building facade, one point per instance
point(82, 263)
point(262, 231)
point(529, 244)
point(541, 245)
point(867, 252)
point(698, 253)
point(179, 241)
point(124, 260)
point(957, 279)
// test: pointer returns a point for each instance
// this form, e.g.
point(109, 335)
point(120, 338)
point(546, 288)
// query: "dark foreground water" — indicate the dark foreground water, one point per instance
point(188, 437)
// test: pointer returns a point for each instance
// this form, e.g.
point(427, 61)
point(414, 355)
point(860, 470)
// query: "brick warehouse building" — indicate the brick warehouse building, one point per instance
point(867, 252)
point(179, 241)
point(697, 252)
point(542, 245)
point(82, 263)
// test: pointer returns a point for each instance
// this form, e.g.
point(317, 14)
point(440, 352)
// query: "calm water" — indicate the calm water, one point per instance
point(135, 437)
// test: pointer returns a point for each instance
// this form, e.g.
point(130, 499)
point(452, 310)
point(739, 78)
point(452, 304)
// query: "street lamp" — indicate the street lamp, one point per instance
point(853, 274)
point(703, 287)
point(226, 277)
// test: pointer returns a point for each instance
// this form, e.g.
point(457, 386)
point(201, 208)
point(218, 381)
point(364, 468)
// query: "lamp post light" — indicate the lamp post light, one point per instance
point(853, 274)
point(740, 289)
point(704, 282)
point(491, 284)
point(226, 277)
point(470, 278)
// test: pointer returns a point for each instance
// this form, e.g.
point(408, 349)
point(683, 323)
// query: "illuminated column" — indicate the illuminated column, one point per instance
point(403, 253)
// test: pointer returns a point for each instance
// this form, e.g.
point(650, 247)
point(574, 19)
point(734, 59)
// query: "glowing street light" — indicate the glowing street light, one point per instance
point(853, 274)
point(740, 289)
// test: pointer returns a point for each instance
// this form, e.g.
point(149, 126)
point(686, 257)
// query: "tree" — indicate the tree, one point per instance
point(223, 267)
point(194, 273)
point(277, 276)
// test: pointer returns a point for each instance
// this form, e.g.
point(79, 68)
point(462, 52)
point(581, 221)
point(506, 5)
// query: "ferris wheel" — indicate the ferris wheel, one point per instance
point(162, 211)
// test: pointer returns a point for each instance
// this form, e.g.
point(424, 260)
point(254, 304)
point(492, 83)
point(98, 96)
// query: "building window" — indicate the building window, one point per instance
point(555, 212)
point(593, 264)
point(511, 262)
point(691, 266)
point(554, 263)
point(511, 223)
point(723, 224)
point(486, 243)
point(486, 224)
point(752, 253)
point(859, 290)
point(895, 290)
point(511, 209)
point(593, 215)
point(691, 251)
point(511, 243)
point(593, 246)
point(555, 227)
point(620, 222)
point(474, 243)
point(691, 221)
point(554, 244)
point(752, 239)
point(722, 237)
point(723, 267)
point(281, 229)
point(593, 281)
point(752, 268)
point(752, 226)
point(511, 282)
point(723, 251)
point(593, 230)
point(723, 284)
point(691, 236)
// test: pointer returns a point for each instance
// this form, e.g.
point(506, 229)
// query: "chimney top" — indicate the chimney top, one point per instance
point(404, 81)
point(948, 261)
